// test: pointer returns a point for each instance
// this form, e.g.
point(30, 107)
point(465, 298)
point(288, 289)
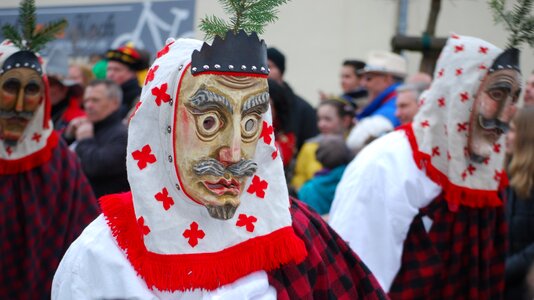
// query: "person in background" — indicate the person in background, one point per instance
point(45, 199)
point(383, 73)
point(101, 138)
point(334, 116)
point(529, 90)
point(80, 74)
point(351, 81)
point(408, 95)
point(65, 94)
point(284, 137)
point(122, 67)
point(303, 116)
point(422, 205)
point(520, 203)
point(334, 155)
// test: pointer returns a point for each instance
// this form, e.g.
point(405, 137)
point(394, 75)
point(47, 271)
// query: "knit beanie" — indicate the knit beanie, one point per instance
point(277, 58)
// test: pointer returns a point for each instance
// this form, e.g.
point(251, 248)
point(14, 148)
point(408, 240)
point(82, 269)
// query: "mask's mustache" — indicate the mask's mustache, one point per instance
point(6, 114)
point(212, 166)
point(490, 124)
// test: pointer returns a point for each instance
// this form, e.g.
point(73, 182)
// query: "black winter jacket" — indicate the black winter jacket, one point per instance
point(103, 157)
point(520, 257)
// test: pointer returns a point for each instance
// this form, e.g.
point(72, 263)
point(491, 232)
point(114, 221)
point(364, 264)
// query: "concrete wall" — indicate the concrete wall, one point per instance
point(317, 35)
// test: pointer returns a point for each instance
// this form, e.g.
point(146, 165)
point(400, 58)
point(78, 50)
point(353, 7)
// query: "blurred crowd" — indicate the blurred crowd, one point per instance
point(92, 104)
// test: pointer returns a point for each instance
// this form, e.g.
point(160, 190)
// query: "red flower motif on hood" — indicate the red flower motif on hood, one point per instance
point(164, 50)
point(163, 197)
point(144, 228)
point(266, 133)
point(248, 222)
point(144, 157)
point(150, 74)
point(161, 94)
point(36, 137)
point(193, 234)
point(258, 187)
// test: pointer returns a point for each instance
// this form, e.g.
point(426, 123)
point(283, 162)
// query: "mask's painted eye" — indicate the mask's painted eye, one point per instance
point(208, 124)
point(32, 88)
point(11, 86)
point(250, 126)
point(498, 94)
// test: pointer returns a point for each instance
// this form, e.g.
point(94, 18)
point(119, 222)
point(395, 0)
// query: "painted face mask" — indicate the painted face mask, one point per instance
point(21, 92)
point(26, 134)
point(493, 109)
point(458, 131)
point(226, 115)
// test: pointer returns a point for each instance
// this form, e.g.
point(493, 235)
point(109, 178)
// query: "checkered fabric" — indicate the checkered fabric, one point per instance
point(331, 270)
point(462, 257)
point(41, 212)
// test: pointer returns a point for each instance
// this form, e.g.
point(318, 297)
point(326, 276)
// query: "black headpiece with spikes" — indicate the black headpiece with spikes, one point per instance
point(241, 50)
point(520, 24)
point(237, 53)
point(509, 59)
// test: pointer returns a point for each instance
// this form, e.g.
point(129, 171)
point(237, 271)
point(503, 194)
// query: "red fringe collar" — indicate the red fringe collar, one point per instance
point(455, 195)
point(181, 272)
point(15, 166)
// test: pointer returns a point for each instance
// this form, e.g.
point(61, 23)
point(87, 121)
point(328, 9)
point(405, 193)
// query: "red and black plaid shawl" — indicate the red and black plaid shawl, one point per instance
point(41, 212)
point(462, 257)
point(331, 270)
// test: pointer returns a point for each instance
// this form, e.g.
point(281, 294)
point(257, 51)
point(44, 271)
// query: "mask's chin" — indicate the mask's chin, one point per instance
point(10, 139)
point(222, 212)
point(480, 150)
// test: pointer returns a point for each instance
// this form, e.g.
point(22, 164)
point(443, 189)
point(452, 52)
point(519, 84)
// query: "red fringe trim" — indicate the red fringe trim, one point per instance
point(181, 272)
point(455, 195)
point(241, 74)
point(31, 161)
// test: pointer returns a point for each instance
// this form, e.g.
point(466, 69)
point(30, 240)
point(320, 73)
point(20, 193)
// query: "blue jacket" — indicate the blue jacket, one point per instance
point(387, 109)
point(319, 191)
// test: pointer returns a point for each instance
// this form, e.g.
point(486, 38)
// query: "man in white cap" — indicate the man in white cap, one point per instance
point(383, 73)
point(421, 205)
point(208, 216)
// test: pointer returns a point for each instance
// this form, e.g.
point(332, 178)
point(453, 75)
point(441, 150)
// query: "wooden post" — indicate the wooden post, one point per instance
point(428, 44)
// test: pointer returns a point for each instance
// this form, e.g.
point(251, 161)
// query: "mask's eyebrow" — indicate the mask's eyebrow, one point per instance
point(500, 85)
point(204, 99)
point(260, 102)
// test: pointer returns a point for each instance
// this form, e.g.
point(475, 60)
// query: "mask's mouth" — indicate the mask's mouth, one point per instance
point(495, 125)
point(223, 186)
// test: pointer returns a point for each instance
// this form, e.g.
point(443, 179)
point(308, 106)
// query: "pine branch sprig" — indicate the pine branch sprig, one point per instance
point(12, 34)
point(47, 34)
point(247, 15)
point(27, 19)
point(519, 22)
point(212, 26)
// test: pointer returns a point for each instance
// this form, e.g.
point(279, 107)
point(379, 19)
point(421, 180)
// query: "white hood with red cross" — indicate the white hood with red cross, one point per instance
point(182, 246)
point(441, 127)
point(38, 140)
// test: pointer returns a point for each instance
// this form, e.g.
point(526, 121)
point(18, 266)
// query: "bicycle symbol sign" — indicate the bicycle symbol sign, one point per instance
point(158, 29)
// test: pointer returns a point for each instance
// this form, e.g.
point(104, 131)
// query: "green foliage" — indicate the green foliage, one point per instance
point(30, 38)
point(519, 21)
point(248, 15)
